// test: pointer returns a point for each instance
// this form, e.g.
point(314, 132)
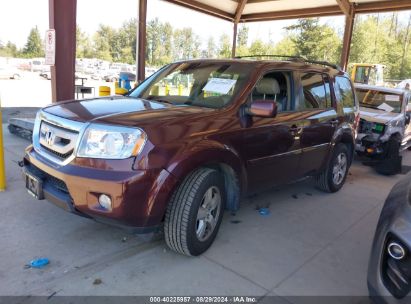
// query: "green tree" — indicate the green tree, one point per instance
point(242, 36)
point(224, 48)
point(211, 51)
point(258, 47)
point(285, 46)
point(84, 48)
point(103, 43)
point(34, 46)
point(9, 50)
point(242, 41)
point(384, 40)
point(315, 41)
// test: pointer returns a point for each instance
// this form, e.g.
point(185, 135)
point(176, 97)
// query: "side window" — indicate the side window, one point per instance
point(344, 93)
point(316, 92)
point(274, 86)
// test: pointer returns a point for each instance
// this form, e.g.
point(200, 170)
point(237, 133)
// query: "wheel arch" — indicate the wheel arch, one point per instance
point(345, 136)
point(220, 158)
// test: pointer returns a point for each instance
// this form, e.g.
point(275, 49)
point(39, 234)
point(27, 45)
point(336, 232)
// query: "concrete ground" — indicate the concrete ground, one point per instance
point(312, 243)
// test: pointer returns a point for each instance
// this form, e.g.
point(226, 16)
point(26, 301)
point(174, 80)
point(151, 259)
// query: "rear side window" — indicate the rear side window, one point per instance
point(316, 92)
point(344, 92)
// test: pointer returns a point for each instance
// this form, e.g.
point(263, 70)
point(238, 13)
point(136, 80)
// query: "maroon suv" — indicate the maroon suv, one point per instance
point(190, 141)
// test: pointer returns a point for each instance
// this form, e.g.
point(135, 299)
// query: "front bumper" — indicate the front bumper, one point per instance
point(370, 144)
point(389, 280)
point(139, 196)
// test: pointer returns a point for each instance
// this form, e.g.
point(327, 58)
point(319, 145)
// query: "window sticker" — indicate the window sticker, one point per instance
point(392, 98)
point(219, 85)
point(385, 107)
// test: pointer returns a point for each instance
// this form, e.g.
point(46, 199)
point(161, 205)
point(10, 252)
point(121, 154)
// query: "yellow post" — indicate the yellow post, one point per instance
point(2, 163)
point(167, 90)
point(104, 91)
point(180, 90)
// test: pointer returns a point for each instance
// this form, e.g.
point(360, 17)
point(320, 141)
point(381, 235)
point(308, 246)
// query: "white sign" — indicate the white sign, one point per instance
point(385, 107)
point(50, 47)
point(219, 85)
point(392, 98)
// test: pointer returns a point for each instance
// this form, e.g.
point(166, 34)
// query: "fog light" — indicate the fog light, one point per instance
point(396, 251)
point(105, 201)
point(370, 150)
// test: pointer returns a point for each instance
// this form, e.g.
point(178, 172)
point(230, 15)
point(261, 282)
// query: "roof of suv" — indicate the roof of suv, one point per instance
point(287, 64)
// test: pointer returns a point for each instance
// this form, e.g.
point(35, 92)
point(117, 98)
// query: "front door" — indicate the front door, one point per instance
point(272, 145)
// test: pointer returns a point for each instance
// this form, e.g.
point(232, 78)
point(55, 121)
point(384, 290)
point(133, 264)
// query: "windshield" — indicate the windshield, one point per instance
point(201, 84)
point(389, 102)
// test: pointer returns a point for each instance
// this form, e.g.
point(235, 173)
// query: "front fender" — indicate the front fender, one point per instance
point(207, 153)
point(185, 161)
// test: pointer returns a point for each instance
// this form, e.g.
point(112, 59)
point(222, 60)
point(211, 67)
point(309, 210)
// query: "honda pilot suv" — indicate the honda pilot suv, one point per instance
point(190, 140)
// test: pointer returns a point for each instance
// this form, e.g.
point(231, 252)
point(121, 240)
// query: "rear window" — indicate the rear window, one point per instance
point(316, 91)
point(344, 92)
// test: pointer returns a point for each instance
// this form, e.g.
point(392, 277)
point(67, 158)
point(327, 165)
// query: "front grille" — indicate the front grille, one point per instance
point(49, 179)
point(59, 155)
point(368, 127)
point(396, 274)
point(57, 141)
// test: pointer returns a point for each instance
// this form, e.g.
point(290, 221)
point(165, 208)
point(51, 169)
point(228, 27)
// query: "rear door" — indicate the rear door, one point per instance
point(319, 120)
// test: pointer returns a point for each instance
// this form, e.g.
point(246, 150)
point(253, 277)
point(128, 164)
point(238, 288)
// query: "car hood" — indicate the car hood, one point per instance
point(380, 116)
point(121, 110)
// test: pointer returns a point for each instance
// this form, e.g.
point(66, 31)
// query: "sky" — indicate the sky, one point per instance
point(90, 13)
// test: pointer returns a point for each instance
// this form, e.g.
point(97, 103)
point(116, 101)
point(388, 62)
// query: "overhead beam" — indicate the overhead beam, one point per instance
point(383, 6)
point(293, 14)
point(239, 10)
point(345, 6)
point(62, 18)
point(203, 8)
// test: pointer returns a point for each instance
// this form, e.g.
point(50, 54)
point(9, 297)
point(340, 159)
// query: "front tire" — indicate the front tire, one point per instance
point(194, 213)
point(392, 162)
point(333, 177)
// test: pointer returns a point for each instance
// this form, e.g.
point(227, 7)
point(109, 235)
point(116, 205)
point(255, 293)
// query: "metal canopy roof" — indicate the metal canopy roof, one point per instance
point(261, 10)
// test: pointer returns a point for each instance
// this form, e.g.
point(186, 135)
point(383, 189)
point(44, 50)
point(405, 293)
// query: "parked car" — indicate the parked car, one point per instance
point(177, 159)
point(389, 268)
point(384, 129)
point(7, 72)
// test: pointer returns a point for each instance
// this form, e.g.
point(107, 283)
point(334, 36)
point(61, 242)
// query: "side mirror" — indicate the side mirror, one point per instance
point(262, 108)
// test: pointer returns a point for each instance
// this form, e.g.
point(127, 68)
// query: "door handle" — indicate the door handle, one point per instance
point(294, 129)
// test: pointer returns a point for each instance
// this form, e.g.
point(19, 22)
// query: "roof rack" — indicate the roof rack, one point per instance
point(273, 56)
point(295, 58)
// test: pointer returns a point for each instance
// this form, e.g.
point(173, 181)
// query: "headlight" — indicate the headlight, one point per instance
point(111, 142)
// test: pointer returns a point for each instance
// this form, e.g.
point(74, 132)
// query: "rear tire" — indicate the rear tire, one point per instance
point(333, 177)
point(194, 213)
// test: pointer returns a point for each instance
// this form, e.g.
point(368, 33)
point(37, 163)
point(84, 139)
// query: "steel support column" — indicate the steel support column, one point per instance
point(237, 16)
point(141, 40)
point(345, 52)
point(62, 18)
